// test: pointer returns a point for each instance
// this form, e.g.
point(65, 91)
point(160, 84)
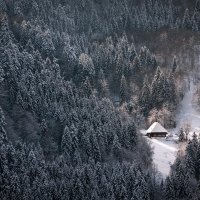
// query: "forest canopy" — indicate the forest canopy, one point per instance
point(75, 86)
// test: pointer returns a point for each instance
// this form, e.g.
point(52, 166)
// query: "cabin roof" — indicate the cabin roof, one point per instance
point(156, 128)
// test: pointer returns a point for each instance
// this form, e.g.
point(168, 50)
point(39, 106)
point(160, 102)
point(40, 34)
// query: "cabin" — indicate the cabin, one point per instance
point(156, 130)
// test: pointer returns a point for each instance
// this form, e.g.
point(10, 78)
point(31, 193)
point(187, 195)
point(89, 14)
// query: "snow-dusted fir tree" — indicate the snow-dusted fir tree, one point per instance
point(174, 64)
point(123, 90)
point(187, 24)
point(95, 147)
point(181, 136)
point(136, 65)
point(67, 143)
point(102, 85)
point(86, 87)
point(87, 67)
point(3, 135)
point(6, 35)
point(145, 97)
point(3, 6)
point(116, 148)
point(157, 88)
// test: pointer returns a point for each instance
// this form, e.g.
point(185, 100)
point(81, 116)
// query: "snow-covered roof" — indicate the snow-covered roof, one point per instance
point(156, 128)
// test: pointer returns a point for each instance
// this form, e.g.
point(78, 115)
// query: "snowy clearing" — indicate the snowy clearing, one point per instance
point(164, 154)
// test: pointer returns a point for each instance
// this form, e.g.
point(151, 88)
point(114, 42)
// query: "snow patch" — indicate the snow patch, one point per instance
point(164, 145)
point(164, 154)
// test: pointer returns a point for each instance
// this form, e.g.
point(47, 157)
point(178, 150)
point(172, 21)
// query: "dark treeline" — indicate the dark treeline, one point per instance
point(61, 64)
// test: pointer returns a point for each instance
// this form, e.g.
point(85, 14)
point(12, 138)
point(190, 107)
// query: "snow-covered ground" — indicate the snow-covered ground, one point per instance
point(164, 154)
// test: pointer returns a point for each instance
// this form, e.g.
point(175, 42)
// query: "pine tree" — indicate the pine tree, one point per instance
point(87, 88)
point(123, 194)
point(15, 190)
point(94, 195)
point(32, 161)
point(172, 95)
point(143, 56)
point(85, 141)
point(131, 131)
point(157, 89)
point(46, 45)
point(197, 6)
point(102, 85)
point(74, 136)
point(87, 67)
point(145, 97)
point(104, 187)
point(64, 190)
point(3, 6)
point(195, 27)
point(77, 161)
point(166, 89)
point(95, 147)
point(1, 74)
point(123, 90)
point(191, 153)
point(119, 66)
point(137, 66)
point(181, 136)
point(67, 143)
point(68, 53)
point(186, 20)
point(29, 47)
point(117, 150)
point(169, 189)
point(5, 34)
point(154, 62)
point(174, 65)
point(3, 135)
point(77, 188)
point(132, 52)
point(141, 187)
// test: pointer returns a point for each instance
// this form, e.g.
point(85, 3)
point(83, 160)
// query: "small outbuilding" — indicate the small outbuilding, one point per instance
point(156, 130)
